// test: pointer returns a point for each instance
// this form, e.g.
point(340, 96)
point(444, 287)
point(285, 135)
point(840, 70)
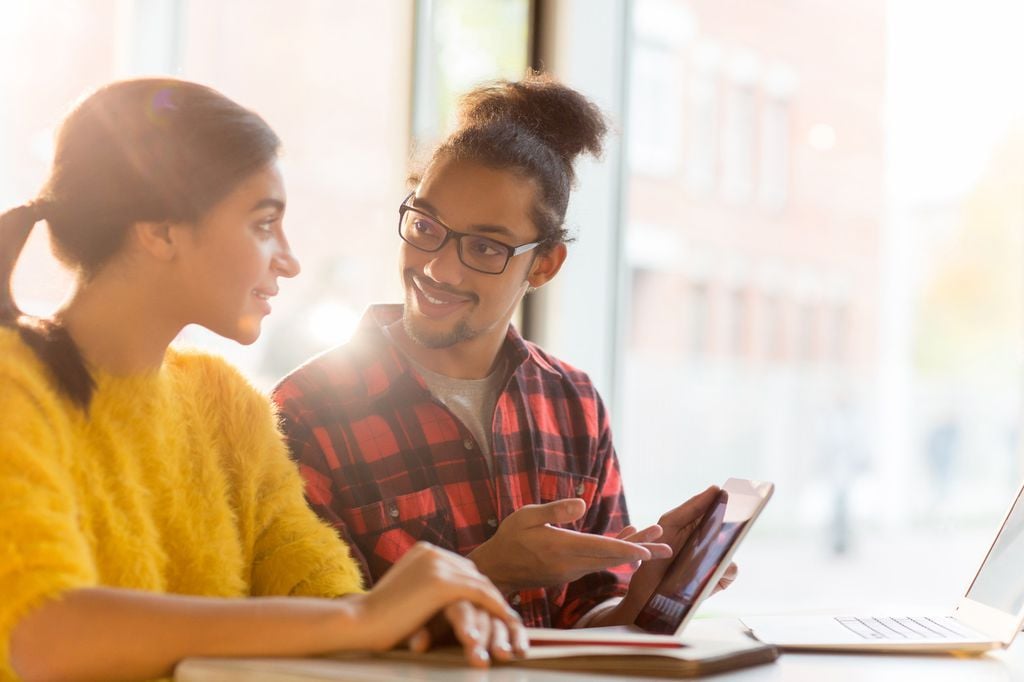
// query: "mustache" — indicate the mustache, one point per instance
point(410, 277)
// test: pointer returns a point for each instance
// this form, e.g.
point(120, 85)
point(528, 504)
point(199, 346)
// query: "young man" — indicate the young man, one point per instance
point(438, 422)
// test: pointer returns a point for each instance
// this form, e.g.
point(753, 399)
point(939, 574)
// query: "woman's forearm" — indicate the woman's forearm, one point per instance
point(125, 634)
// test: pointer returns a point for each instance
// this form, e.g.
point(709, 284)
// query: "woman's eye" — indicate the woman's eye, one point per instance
point(266, 227)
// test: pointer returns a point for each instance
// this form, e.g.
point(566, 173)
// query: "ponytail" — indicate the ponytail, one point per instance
point(48, 340)
point(15, 227)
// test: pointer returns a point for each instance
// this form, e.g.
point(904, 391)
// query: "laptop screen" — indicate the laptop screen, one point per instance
point(1000, 581)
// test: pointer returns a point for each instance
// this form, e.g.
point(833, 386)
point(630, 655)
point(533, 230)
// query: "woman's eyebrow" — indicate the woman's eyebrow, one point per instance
point(268, 202)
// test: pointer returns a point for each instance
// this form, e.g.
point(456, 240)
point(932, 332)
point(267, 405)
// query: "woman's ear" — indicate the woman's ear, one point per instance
point(158, 239)
point(546, 266)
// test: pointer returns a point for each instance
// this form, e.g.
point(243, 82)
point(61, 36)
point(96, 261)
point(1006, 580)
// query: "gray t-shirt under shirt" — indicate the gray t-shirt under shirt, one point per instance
point(471, 400)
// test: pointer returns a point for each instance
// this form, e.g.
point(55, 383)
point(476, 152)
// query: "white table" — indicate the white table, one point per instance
point(1001, 666)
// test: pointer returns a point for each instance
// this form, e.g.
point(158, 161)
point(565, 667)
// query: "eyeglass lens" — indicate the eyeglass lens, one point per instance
point(479, 253)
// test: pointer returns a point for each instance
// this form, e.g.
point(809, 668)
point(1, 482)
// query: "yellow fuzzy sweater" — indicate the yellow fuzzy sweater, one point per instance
point(174, 482)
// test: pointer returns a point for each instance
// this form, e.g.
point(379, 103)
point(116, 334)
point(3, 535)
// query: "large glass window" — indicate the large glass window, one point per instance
point(460, 44)
point(336, 80)
point(825, 283)
point(333, 79)
point(821, 241)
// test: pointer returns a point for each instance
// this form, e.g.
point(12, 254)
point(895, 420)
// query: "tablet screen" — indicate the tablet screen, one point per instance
point(688, 577)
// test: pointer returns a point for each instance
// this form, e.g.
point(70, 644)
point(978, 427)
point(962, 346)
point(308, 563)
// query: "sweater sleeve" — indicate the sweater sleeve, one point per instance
point(43, 551)
point(292, 551)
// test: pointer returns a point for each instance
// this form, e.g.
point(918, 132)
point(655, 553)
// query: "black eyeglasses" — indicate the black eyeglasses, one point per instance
point(427, 233)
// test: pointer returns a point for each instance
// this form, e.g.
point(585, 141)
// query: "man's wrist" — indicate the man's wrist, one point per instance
point(596, 617)
point(622, 613)
point(479, 557)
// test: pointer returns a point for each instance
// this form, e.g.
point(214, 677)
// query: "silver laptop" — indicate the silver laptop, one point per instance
point(987, 617)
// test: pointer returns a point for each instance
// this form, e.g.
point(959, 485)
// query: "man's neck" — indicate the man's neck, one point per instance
point(475, 358)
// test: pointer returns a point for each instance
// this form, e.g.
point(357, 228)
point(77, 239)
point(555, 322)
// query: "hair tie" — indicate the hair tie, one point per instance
point(39, 208)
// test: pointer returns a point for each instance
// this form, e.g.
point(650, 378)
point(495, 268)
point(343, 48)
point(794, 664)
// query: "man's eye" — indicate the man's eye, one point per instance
point(429, 228)
point(483, 248)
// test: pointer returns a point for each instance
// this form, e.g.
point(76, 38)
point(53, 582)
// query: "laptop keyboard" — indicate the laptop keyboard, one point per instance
point(898, 628)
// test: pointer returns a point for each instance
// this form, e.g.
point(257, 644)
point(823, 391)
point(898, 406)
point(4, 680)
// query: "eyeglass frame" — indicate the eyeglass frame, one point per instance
point(511, 251)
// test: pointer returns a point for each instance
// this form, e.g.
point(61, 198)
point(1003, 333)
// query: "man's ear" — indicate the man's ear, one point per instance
point(157, 239)
point(546, 265)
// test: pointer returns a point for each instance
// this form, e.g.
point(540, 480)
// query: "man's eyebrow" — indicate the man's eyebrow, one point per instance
point(493, 229)
point(424, 205)
point(268, 203)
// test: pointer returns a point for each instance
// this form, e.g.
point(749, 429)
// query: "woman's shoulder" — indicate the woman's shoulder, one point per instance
point(220, 389)
point(210, 374)
point(20, 364)
point(241, 416)
point(30, 396)
point(13, 350)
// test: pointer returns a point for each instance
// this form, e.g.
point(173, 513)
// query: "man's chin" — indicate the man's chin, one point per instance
point(421, 333)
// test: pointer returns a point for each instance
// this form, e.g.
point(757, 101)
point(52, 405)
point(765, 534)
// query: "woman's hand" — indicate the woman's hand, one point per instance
point(428, 582)
point(483, 636)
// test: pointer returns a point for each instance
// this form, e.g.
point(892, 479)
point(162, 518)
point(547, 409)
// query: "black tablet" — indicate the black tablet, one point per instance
point(701, 562)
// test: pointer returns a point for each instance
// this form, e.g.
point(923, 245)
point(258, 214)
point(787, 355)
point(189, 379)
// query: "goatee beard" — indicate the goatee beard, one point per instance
point(444, 339)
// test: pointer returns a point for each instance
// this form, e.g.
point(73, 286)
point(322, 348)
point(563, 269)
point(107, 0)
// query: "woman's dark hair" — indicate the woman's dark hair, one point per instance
point(535, 127)
point(152, 149)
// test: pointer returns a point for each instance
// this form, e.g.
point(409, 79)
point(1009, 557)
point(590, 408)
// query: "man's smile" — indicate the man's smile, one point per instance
point(436, 302)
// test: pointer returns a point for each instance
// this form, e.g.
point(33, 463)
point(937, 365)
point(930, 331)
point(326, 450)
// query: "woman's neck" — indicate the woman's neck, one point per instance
point(117, 325)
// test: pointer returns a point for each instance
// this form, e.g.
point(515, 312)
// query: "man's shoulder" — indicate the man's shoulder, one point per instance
point(556, 388)
point(339, 370)
point(356, 368)
point(554, 368)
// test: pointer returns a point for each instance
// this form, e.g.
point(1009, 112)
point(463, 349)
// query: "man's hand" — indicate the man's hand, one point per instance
point(528, 551)
point(676, 526)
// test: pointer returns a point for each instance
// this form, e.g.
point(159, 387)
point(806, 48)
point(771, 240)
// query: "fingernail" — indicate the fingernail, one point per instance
point(481, 654)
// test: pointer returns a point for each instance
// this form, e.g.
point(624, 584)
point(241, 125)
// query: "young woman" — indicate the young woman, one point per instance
point(144, 491)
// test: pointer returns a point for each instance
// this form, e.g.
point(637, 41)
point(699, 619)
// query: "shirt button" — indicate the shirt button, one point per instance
point(467, 443)
point(393, 511)
point(516, 601)
point(492, 522)
point(579, 489)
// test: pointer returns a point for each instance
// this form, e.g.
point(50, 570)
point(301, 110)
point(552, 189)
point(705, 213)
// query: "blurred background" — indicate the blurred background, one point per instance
point(801, 257)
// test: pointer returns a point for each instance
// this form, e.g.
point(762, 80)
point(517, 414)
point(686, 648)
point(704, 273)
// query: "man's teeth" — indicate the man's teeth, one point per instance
point(260, 294)
point(433, 300)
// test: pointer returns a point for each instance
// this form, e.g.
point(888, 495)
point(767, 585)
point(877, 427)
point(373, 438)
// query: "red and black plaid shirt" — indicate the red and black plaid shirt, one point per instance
point(388, 465)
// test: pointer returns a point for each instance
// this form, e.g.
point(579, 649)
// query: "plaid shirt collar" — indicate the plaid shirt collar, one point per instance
point(372, 345)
